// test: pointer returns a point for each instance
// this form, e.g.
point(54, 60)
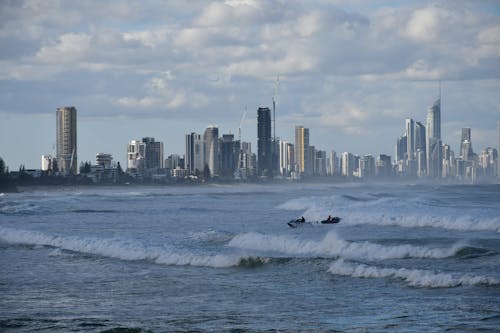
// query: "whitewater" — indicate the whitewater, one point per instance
point(216, 258)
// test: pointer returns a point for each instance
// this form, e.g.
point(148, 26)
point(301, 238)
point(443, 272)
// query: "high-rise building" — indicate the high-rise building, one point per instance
point(366, 167)
point(383, 166)
point(410, 138)
point(347, 164)
point(401, 148)
point(302, 150)
point(136, 154)
point(488, 161)
point(66, 153)
point(286, 158)
point(264, 142)
point(154, 153)
point(420, 155)
point(229, 152)
point(211, 139)
point(466, 145)
point(320, 163)
point(332, 164)
point(433, 141)
point(195, 157)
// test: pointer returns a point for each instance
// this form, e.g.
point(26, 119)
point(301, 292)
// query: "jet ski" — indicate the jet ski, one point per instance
point(332, 220)
point(295, 223)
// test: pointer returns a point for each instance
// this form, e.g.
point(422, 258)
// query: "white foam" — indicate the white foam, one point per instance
point(117, 248)
point(334, 246)
point(387, 212)
point(463, 223)
point(413, 277)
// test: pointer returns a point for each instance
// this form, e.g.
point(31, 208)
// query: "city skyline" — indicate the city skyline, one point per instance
point(349, 71)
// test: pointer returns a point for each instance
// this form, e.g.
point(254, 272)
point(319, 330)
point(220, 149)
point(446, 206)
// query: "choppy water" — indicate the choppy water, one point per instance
point(222, 258)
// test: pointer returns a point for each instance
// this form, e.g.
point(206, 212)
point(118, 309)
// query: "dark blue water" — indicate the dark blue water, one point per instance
point(222, 259)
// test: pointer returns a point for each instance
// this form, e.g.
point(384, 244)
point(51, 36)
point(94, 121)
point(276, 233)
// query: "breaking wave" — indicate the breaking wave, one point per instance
point(413, 277)
point(126, 250)
point(334, 246)
point(387, 211)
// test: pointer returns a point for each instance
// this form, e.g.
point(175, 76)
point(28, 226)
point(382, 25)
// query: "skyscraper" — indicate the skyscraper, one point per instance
point(433, 141)
point(420, 155)
point(410, 138)
point(286, 158)
point(154, 153)
point(211, 139)
point(302, 150)
point(264, 142)
point(66, 153)
point(466, 144)
point(229, 155)
point(195, 158)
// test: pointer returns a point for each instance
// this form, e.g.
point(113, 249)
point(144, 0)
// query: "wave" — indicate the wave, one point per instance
point(463, 223)
point(126, 250)
point(413, 277)
point(19, 208)
point(386, 210)
point(334, 246)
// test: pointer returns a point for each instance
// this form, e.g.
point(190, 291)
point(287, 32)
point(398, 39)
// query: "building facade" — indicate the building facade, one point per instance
point(302, 150)
point(211, 151)
point(433, 141)
point(264, 142)
point(66, 153)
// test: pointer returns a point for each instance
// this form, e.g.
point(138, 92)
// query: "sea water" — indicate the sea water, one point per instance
point(221, 258)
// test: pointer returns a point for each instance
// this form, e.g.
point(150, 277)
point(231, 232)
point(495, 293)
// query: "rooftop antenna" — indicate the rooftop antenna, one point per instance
point(241, 123)
point(275, 95)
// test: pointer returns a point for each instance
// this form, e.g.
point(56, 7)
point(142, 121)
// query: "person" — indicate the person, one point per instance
point(302, 219)
point(329, 219)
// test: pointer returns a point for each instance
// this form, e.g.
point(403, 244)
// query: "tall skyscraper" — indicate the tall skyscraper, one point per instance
point(264, 142)
point(195, 157)
point(466, 145)
point(347, 164)
point(229, 155)
point(410, 138)
point(332, 164)
point(420, 155)
point(302, 150)
point(66, 153)
point(211, 139)
point(286, 158)
point(433, 141)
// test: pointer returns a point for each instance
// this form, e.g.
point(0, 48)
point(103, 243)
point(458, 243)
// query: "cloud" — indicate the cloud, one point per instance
point(355, 66)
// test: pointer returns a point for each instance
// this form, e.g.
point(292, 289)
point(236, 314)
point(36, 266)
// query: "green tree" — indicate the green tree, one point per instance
point(2, 167)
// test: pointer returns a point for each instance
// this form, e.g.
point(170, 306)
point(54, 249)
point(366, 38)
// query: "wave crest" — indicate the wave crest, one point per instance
point(126, 250)
point(413, 277)
point(334, 246)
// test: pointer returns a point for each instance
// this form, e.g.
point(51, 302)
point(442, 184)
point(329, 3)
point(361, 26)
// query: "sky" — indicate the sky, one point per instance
point(350, 71)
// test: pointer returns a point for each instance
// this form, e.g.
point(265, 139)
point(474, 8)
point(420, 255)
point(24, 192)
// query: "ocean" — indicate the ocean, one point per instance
point(221, 258)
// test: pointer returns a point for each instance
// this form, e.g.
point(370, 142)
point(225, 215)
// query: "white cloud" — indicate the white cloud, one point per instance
point(341, 63)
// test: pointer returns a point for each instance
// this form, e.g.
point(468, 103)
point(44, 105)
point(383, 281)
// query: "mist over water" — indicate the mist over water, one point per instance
point(222, 258)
